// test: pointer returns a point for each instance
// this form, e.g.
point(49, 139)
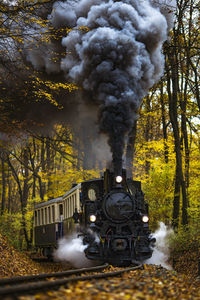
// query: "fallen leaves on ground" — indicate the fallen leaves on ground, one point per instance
point(152, 282)
point(14, 263)
point(187, 262)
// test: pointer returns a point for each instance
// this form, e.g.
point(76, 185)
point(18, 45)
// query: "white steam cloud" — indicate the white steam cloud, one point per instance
point(71, 250)
point(161, 253)
point(115, 62)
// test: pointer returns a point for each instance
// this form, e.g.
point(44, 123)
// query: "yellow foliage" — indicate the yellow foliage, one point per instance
point(45, 88)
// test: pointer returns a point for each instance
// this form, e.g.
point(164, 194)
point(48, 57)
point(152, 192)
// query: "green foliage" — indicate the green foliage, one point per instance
point(158, 184)
point(10, 226)
point(187, 238)
point(158, 189)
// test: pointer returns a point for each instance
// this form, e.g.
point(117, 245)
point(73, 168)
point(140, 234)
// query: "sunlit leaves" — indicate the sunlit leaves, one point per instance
point(45, 89)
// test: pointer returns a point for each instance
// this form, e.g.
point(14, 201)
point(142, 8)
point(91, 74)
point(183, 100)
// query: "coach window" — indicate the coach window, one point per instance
point(74, 201)
point(45, 215)
point(65, 209)
point(69, 211)
point(42, 216)
point(35, 217)
point(49, 214)
point(68, 207)
point(53, 213)
point(72, 204)
point(38, 216)
point(61, 209)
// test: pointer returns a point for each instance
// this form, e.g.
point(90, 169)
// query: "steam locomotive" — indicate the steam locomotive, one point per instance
point(112, 216)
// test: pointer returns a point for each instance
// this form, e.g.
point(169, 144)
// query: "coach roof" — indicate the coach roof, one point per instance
point(49, 202)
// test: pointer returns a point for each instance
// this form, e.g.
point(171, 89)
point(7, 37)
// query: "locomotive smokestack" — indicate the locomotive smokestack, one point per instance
point(117, 166)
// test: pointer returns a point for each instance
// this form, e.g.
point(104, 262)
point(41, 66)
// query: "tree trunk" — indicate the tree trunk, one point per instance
point(42, 155)
point(26, 179)
point(173, 102)
point(9, 192)
point(22, 202)
point(164, 125)
point(3, 174)
point(147, 132)
point(48, 166)
point(176, 201)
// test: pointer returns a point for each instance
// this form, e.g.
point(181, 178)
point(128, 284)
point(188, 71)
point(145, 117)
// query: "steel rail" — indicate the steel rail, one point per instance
point(32, 288)
point(18, 279)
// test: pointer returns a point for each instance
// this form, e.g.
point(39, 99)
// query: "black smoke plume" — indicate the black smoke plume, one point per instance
point(114, 53)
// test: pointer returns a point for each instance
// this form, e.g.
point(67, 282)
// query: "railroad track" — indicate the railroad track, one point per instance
point(26, 285)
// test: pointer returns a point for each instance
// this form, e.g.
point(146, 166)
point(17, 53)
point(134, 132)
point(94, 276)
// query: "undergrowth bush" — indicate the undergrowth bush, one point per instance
point(187, 238)
point(10, 226)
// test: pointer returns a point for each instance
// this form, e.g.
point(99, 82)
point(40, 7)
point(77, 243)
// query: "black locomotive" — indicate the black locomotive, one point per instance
point(114, 220)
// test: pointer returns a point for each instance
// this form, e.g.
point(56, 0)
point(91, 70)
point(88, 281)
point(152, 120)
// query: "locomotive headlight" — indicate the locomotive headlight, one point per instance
point(118, 179)
point(145, 219)
point(93, 218)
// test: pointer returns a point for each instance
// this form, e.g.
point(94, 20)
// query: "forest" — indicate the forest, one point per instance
point(42, 155)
